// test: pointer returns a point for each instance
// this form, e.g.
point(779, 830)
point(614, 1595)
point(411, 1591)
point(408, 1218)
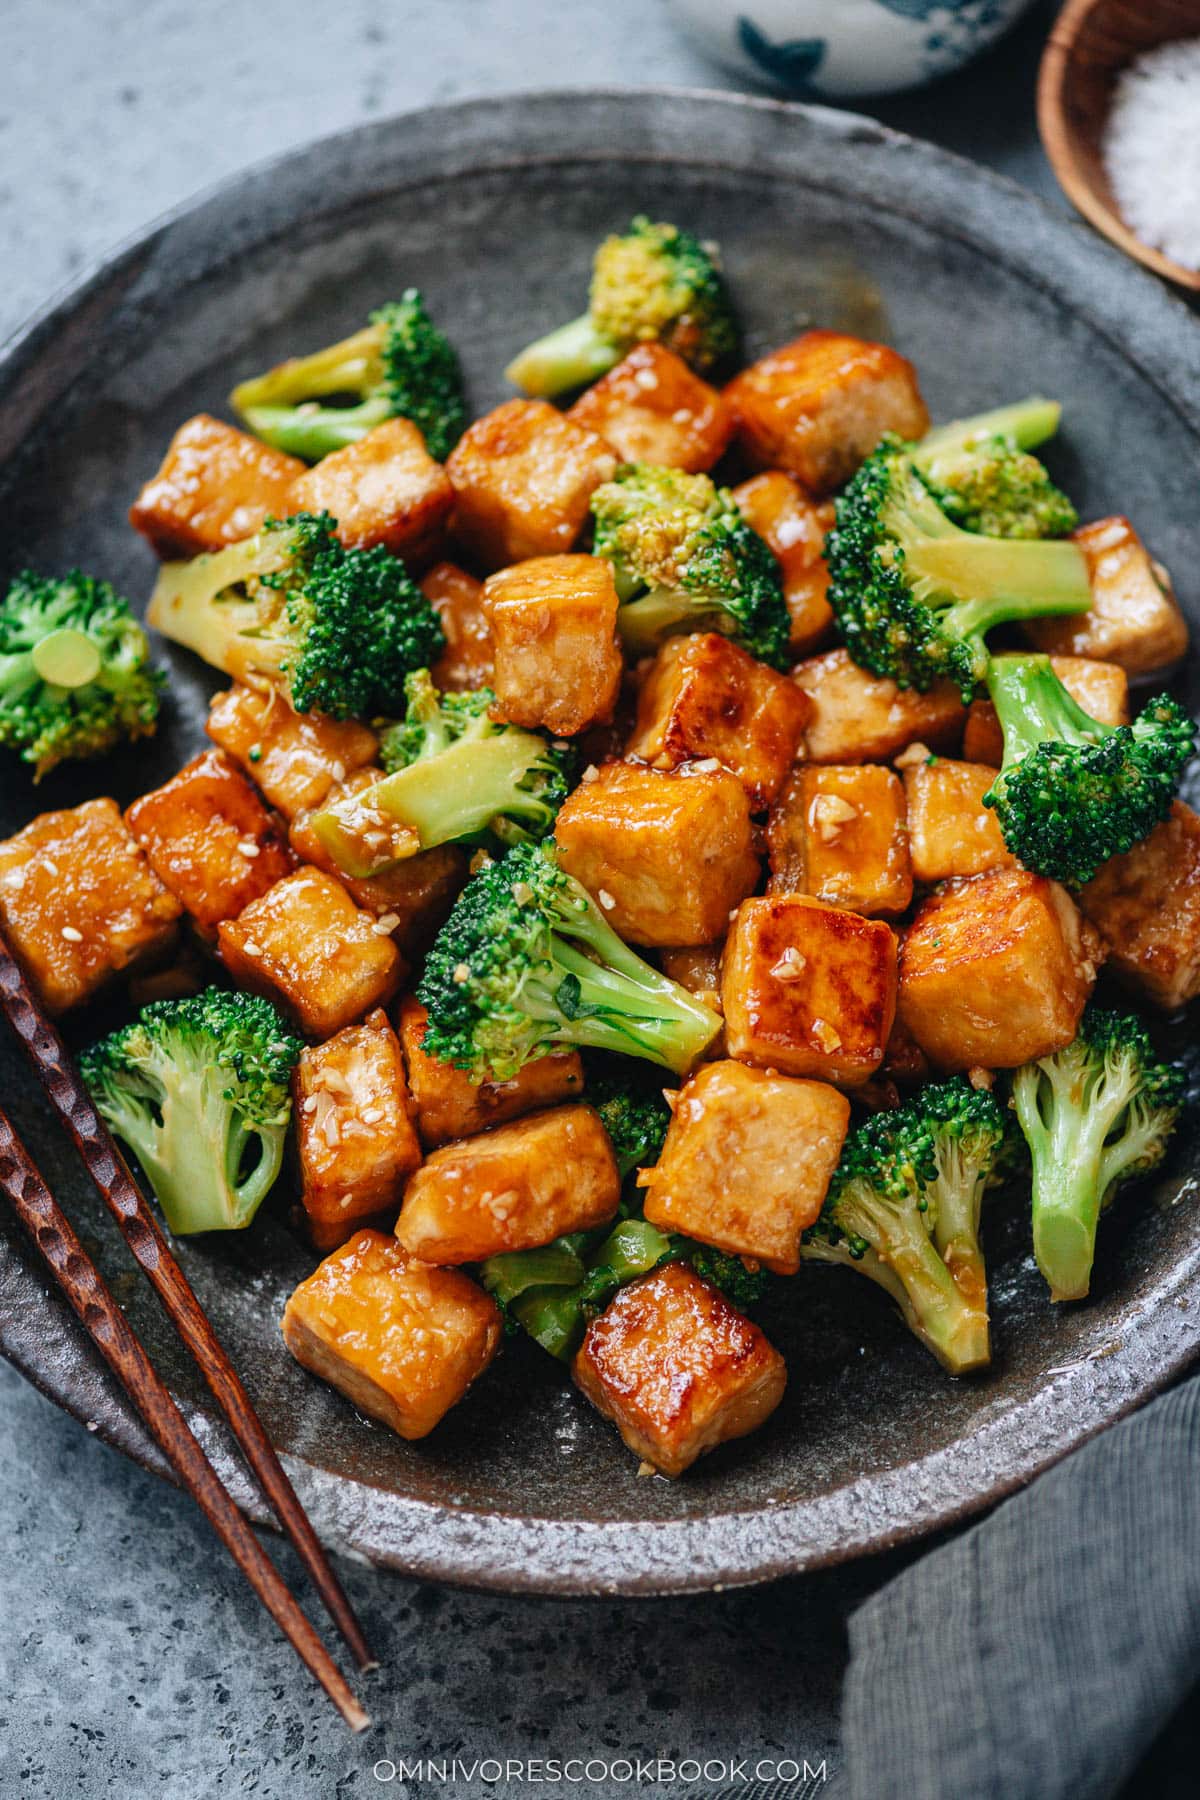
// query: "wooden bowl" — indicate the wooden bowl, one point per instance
point(1092, 41)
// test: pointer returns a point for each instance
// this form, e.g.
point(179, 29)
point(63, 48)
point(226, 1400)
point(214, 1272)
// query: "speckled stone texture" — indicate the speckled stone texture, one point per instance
point(133, 1661)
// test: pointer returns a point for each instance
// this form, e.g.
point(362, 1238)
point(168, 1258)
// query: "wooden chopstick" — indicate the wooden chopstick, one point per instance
point(84, 1287)
point(145, 1238)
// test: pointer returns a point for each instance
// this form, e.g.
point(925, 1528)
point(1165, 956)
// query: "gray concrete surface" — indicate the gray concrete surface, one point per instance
point(132, 1660)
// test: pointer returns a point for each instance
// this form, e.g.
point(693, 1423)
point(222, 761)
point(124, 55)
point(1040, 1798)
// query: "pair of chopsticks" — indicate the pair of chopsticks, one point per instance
point(85, 1289)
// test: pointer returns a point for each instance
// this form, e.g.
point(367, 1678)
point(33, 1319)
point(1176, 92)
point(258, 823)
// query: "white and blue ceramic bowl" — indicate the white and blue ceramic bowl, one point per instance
point(835, 49)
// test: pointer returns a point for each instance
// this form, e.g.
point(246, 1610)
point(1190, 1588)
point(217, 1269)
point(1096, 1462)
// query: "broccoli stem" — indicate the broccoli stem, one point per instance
point(198, 1187)
point(1034, 707)
point(934, 1306)
point(619, 1002)
point(556, 1317)
point(566, 358)
point(1025, 423)
point(310, 431)
point(957, 1209)
point(451, 795)
point(1006, 578)
point(67, 658)
point(643, 624)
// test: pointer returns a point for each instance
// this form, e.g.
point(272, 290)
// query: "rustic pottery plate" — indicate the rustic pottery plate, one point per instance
point(493, 209)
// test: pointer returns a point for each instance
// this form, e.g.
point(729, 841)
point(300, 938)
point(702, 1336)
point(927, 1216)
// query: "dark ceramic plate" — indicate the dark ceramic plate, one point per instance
point(493, 209)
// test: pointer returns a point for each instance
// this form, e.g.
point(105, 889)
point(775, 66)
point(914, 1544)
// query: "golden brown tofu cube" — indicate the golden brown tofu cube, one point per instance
point(385, 489)
point(523, 476)
point(839, 834)
point(295, 758)
point(355, 1137)
point(859, 717)
point(216, 486)
point(704, 697)
point(553, 624)
point(513, 1188)
point(1101, 688)
point(950, 830)
point(210, 839)
point(677, 1370)
point(449, 1105)
point(412, 898)
point(796, 528)
point(653, 408)
point(819, 405)
point(457, 599)
point(667, 856)
point(79, 903)
point(747, 1161)
point(808, 989)
point(402, 1341)
point(1135, 618)
point(307, 946)
point(1146, 906)
point(995, 971)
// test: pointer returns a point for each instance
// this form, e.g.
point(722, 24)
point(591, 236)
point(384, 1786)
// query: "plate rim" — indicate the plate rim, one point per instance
point(520, 1554)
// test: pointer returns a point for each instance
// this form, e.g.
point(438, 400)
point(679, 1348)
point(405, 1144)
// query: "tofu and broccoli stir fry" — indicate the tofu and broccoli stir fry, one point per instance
point(610, 891)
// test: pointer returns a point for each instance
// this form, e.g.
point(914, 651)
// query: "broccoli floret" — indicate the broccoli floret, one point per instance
point(398, 366)
point(878, 1218)
point(915, 595)
point(199, 1090)
point(654, 282)
point(456, 773)
point(527, 961)
point(341, 629)
point(552, 1293)
point(742, 1283)
point(629, 1097)
point(1071, 791)
point(685, 559)
point(1094, 1115)
point(982, 474)
point(75, 673)
point(973, 1149)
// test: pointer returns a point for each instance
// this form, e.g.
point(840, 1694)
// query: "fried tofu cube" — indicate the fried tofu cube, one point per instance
point(1146, 906)
point(950, 830)
point(819, 405)
point(666, 855)
point(553, 624)
point(402, 1341)
point(512, 1188)
point(305, 945)
point(216, 485)
point(523, 476)
point(808, 989)
point(210, 839)
point(859, 717)
point(705, 697)
point(385, 489)
point(697, 969)
point(653, 408)
point(747, 1161)
point(79, 903)
point(356, 1141)
point(412, 899)
point(294, 758)
point(457, 599)
point(1135, 618)
point(1101, 688)
point(449, 1105)
point(995, 971)
point(677, 1370)
point(839, 834)
point(796, 528)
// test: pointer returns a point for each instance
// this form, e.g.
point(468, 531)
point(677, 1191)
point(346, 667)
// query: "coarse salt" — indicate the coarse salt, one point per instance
point(1152, 149)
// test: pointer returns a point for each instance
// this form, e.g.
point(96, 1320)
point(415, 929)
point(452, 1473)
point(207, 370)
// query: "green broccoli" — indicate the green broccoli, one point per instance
point(685, 559)
point(340, 628)
point(655, 282)
point(75, 673)
point(1094, 1115)
point(973, 1150)
point(400, 365)
point(527, 961)
point(454, 772)
point(916, 596)
point(1072, 792)
point(743, 1283)
point(629, 1097)
point(982, 475)
point(200, 1091)
point(879, 1218)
